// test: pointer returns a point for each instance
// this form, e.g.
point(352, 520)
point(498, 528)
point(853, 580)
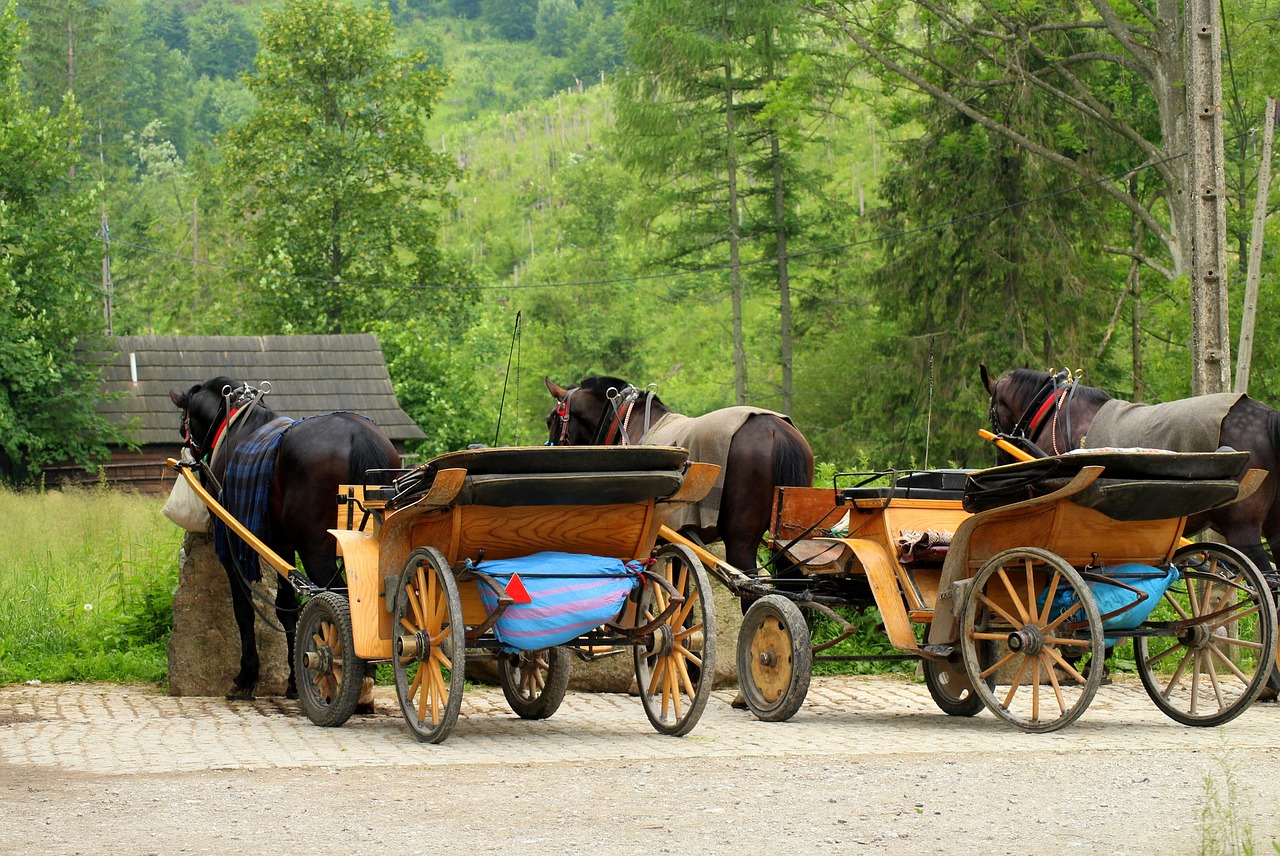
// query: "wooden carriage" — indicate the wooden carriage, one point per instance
point(1010, 584)
point(418, 556)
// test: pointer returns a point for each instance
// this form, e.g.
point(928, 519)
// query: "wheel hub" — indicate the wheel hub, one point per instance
point(319, 661)
point(663, 641)
point(416, 647)
point(1026, 640)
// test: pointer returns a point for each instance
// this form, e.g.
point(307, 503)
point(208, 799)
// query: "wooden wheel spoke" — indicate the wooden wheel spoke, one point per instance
point(683, 671)
point(1176, 605)
point(1176, 678)
point(1057, 689)
point(995, 667)
point(1231, 617)
point(1017, 682)
point(1035, 689)
point(1066, 613)
point(1064, 641)
point(1013, 595)
point(999, 610)
point(1050, 594)
point(1031, 587)
point(1071, 670)
point(1226, 661)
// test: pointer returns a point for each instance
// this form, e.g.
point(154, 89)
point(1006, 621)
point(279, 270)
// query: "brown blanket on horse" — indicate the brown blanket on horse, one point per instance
point(1187, 425)
point(707, 438)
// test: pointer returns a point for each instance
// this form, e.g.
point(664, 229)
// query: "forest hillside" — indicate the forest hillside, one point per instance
point(833, 210)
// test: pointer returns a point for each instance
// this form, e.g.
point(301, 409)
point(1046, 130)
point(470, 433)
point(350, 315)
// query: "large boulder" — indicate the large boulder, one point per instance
point(204, 650)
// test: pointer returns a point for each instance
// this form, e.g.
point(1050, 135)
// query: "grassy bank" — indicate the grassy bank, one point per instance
point(86, 586)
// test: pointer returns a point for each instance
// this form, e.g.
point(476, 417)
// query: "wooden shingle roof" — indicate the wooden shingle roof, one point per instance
point(308, 375)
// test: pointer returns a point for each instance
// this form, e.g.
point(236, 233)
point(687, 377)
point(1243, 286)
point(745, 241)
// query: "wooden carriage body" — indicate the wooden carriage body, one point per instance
point(507, 503)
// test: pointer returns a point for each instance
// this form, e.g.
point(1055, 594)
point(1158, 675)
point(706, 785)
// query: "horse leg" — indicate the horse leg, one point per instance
point(287, 615)
point(244, 683)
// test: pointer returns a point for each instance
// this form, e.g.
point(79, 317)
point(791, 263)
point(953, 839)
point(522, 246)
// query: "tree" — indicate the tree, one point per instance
point(331, 173)
point(49, 303)
point(719, 101)
point(1116, 74)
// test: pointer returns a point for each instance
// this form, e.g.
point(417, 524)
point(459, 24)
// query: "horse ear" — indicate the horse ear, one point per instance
point(557, 392)
point(986, 378)
point(179, 399)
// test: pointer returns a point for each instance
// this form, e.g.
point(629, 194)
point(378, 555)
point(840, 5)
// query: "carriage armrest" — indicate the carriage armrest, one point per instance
point(699, 478)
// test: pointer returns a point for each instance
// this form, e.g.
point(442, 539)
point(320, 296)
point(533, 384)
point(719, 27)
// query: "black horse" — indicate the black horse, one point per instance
point(763, 450)
point(1056, 413)
point(307, 463)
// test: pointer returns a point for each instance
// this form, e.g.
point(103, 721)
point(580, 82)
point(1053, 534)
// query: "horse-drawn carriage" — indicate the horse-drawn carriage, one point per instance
point(1010, 584)
point(516, 555)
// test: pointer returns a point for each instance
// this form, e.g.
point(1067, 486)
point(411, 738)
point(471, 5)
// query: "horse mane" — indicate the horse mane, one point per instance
point(601, 384)
point(1025, 383)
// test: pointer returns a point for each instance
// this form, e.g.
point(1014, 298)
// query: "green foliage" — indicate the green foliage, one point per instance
point(221, 42)
point(48, 303)
point(868, 640)
point(330, 176)
point(86, 590)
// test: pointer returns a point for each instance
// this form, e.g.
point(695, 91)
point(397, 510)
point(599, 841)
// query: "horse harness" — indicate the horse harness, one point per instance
point(1052, 399)
point(622, 403)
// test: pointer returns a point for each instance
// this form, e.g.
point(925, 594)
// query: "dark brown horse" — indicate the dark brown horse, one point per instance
point(299, 490)
point(764, 450)
point(1055, 412)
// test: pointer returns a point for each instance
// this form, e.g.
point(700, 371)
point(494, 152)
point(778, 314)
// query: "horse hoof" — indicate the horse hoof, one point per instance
point(239, 693)
point(738, 703)
point(1268, 694)
point(291, 693)
point(365, 708)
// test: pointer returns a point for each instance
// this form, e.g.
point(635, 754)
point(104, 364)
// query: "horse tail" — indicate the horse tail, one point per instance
point(792, 458)
point(366, 454)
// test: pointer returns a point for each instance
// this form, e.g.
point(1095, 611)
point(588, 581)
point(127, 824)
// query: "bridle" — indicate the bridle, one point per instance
point(233, 400)
point(620, 402)
point(1051, 400)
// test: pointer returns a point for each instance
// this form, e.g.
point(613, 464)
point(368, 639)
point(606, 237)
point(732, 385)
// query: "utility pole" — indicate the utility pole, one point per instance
point(1210, 337)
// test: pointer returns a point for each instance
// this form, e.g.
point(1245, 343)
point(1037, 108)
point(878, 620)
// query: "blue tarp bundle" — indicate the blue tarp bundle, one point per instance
point(570, 594)
point(1151, 580)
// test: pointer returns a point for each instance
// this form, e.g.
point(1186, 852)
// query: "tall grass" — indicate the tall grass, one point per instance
point(86, 586)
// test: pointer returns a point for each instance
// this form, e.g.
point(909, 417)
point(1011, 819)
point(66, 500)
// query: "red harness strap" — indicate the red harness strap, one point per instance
point(217, 435)
point(1034, 425)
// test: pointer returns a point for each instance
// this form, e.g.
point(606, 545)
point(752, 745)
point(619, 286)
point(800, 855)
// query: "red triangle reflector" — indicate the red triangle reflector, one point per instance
point(516, 590)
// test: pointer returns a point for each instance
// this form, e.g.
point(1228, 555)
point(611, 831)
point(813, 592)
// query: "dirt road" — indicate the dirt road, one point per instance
point(868, 765)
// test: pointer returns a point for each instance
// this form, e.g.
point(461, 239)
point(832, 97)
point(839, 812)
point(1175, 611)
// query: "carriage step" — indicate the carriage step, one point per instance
point(937, 652)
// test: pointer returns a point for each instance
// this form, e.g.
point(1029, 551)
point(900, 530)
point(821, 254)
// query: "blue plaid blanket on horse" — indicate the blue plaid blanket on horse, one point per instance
point(246, 493)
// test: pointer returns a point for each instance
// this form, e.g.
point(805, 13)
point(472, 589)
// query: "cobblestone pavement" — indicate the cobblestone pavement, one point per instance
point(866, 762)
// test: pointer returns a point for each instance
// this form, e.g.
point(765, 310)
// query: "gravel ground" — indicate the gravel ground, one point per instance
point(868, 765)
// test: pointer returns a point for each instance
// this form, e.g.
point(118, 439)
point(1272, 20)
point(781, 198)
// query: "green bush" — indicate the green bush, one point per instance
point(86, 589)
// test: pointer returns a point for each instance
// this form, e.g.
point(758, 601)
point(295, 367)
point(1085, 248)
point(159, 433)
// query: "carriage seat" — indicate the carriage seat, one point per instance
point(550, 475)
point(1136, 484)
point(919, 484)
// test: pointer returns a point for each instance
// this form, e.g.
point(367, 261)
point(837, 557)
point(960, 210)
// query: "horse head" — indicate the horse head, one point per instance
point(592, 413)
point(205, 408)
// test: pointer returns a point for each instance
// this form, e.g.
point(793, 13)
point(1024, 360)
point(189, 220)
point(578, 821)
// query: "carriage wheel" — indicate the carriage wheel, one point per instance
point(948, 683)
point(1040, 607)
point(1224, 650)
point(330, 674)
point(775, 658)
point(676, 668)
point(429, 646)
point(534, 682)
